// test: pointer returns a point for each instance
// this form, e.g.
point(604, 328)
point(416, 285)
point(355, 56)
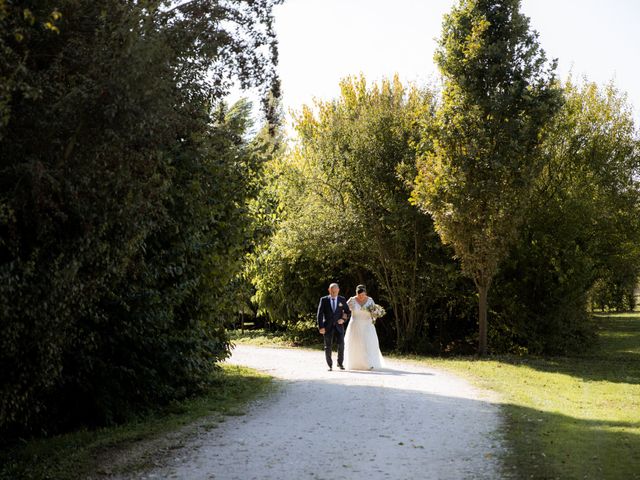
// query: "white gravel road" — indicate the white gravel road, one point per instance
point(404, 422)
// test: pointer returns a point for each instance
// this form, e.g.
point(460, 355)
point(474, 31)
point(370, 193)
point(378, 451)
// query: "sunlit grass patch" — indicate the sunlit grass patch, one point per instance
point(569, 418)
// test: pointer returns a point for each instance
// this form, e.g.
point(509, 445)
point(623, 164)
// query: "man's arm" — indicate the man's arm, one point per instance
point(347, 310)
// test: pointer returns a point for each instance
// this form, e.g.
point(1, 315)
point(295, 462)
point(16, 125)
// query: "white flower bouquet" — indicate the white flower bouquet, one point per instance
point(376, 311)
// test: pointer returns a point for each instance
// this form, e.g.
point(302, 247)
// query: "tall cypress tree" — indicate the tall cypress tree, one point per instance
point(499, 93)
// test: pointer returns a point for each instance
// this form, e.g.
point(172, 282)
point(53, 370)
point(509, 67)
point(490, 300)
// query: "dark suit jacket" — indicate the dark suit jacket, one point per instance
point(327, 318)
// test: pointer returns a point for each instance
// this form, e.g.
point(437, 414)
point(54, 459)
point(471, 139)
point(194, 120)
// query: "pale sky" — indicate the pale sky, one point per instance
point(322, 41)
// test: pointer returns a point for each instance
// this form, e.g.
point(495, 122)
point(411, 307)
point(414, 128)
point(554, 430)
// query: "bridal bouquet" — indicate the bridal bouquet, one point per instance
point(376, 311)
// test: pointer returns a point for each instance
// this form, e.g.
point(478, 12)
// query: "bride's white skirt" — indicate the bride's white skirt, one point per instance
point(361, 347)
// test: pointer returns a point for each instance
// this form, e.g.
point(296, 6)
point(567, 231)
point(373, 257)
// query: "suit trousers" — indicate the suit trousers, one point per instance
point(338, 332)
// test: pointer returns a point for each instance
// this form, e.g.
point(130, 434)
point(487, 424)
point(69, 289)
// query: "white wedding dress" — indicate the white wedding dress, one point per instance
point(361, 347)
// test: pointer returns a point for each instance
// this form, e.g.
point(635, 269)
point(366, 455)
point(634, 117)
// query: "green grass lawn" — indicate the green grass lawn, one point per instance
point(262, 338)
point(132, 446)
point(306, 335)
point(569, 418)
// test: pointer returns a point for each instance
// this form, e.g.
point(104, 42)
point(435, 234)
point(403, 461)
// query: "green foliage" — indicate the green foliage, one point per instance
point(340, 211)
point(303, 333)
point(345, 216)
point(582, 227)
point(482, 154)
point(124, 191)
point(533, 183)
point(616, 292)
point(17, 25)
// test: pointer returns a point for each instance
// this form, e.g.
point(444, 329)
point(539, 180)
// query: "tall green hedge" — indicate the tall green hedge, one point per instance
point(123, 189)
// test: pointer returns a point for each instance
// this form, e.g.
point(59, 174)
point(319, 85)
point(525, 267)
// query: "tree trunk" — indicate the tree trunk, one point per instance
point(483, 290)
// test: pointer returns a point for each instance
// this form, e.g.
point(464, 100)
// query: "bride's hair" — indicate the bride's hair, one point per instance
point(361, 289)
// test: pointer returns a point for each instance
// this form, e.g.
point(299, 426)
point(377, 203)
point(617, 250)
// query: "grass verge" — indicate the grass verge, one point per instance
point(569, 417)
point(138, 444)
point(263, 338)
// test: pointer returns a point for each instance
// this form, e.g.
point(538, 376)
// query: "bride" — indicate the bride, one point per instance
point(361, 349)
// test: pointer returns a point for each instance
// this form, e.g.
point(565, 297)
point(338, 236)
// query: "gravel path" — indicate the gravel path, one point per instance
point(404, 422)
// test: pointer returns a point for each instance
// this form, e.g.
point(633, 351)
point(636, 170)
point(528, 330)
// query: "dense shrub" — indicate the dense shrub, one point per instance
point(581, 230)
point(123, 200)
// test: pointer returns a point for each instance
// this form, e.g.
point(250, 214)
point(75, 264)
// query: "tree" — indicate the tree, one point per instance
point(17, 26)
point(581, 229)
point(347, 214)
point(499, 94)
point(124, 186)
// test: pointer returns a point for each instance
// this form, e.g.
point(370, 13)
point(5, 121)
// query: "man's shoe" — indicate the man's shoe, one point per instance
point(341, 367)
point(330, 369)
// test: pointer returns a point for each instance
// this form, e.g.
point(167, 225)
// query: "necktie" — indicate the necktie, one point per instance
point(333, 304)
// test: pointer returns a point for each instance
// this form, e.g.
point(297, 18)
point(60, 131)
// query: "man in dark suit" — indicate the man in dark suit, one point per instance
point(333, 313)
